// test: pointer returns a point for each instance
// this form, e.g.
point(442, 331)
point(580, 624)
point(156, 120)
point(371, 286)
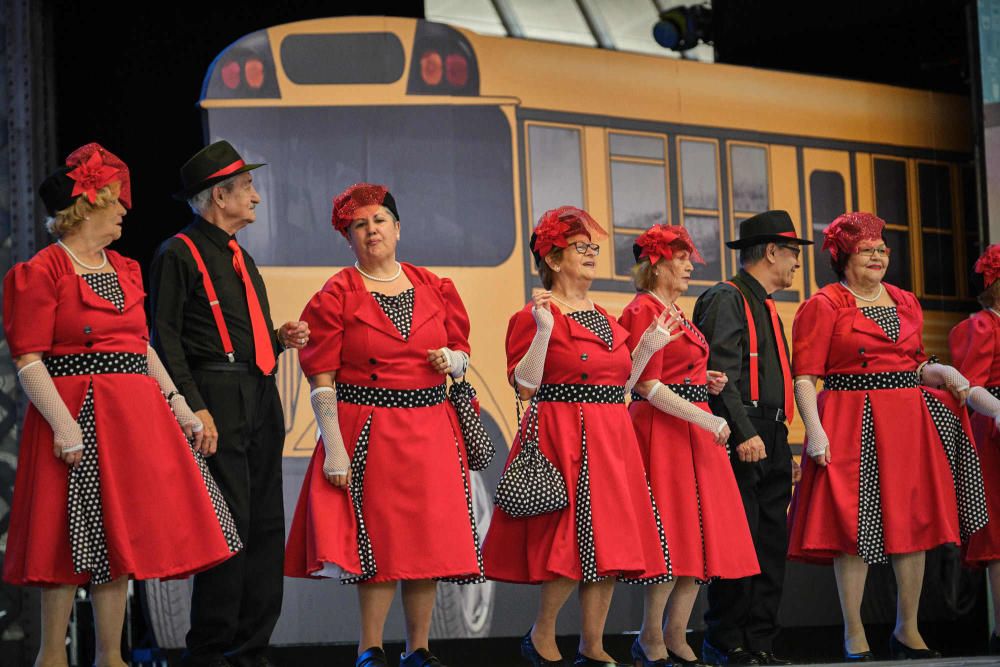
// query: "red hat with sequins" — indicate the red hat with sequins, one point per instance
point(843, 235)
point(660, 241)
point(358, 196)
point(988, 265)
point(87, 170)
point(557, 225)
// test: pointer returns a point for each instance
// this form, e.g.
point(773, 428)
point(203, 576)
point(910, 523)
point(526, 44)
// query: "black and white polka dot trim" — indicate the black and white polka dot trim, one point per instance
point(222, 513)
point(871, 536)
point(380, 397)
point(871, 381)
point(885, 317)
point(106, 286)
point(481, 578)
point(583, 518)
point(581, 393)
point(87, 540)
point(96, 363)
point(994, 390)
point(695, 393)
point(398, 308)
point(595, 322)
point(357, 486)
point(669, 576)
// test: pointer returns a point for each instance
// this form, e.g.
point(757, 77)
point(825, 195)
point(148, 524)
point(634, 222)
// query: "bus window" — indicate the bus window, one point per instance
point(748, 171)
point(700, 204)
point(827, 200)
point(450, 189)
point(892, 205)
point(638, 191)
point(934, 185)
point(555, 167)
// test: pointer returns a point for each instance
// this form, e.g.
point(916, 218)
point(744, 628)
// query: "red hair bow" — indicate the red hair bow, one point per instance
point(97, 167)
point(350, 200)
point(988, 264)
point(558, 224)
point(848, 230)
point(660, 241)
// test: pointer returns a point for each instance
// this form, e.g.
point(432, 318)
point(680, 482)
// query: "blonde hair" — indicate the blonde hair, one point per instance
point(69, 218)
point(545, 271)
point(642, 275)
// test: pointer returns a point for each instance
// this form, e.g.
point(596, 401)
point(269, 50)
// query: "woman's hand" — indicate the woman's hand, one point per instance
point(722, 435)
point(209, 441)
point(716, 382)
point(71, 455)
point(542, 299)
point(439, 361)
point(341, 481)
point(664, 330)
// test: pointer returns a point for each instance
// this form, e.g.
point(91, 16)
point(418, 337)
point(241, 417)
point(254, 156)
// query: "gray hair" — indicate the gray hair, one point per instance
point(750, 255)
point(200, 201)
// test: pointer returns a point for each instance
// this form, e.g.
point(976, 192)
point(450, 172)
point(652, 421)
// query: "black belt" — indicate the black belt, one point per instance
point(380, 397)
point(871, 381)
point(228, 367)
point(765, 413)
point(96, 363)
point(696, 393)
point(581, 393)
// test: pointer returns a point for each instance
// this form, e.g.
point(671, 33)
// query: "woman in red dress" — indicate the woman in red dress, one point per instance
point(102, 456)
point(386, 497)
point(684, 448)
point(975, 350)
point(891, 471)
point(572, 359)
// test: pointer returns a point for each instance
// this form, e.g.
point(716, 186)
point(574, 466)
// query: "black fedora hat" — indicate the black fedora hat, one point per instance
point(212, 164)
point(767, 227)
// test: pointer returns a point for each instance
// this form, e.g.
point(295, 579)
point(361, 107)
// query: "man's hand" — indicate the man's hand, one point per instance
point(210, 435)
point(294, 334)
point(752, 450)
point(796, 472)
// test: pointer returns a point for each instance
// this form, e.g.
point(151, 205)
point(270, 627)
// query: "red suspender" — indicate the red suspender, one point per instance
point(752, 334)
point(213, 300)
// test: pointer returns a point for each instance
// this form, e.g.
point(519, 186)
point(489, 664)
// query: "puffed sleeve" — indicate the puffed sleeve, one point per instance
point(325, 316)
point(972, 345)
point(29, 308)
point(635, 319)
point(812, 331)
point(456, 318)
point(520, 333)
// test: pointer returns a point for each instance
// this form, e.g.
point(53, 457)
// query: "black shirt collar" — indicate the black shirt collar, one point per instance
point(754, 286)
point(212, 233)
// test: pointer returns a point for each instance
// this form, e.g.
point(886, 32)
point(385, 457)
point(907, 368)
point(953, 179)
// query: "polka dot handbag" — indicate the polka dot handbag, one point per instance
point(478, 446)
point(531, 484)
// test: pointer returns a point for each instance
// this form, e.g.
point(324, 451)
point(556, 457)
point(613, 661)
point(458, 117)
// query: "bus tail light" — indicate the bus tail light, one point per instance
point(245, 68)
point(430, 68)
point(443, 62)
point(457, 68)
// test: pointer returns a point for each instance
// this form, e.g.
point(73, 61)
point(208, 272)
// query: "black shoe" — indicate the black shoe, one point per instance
point(217, 660)
point(994, 647)
point(900, 651)
point(768, 658)
point(530, 653)
point(864, 656)
point(734, 656)
point(420, 658)
point(639, 655)
point(677, 661)
point(583, 661)
point(372, 657)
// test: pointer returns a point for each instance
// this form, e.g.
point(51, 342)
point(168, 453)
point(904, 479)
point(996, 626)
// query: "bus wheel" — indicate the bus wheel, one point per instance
point(168, 607)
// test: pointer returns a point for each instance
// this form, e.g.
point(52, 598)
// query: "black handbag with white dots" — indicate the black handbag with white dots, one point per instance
point(479, 449)
point(531, 484)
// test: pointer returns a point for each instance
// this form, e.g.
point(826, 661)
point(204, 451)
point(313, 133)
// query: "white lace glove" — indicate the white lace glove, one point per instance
point(182, 411)
point(324, 405)
point(650, 343)
point(458, 362)
point(665, 400)
point(984, 403)
point(817, 444)
point(528, 372)
point(935, 375)
point(41, 391)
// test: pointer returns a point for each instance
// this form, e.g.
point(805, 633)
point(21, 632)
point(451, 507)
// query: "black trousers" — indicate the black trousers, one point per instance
point(235, 605)
point(744, 612)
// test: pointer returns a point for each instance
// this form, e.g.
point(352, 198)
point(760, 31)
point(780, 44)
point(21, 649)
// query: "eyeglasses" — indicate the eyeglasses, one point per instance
point(871, 252)
point(582, 247)
point(794, 249)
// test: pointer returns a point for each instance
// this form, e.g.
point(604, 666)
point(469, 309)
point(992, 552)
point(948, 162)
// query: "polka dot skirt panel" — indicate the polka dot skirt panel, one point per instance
point(398, 308)
point(106, 286)
point(87, 540)
point(472, 523)
point(595, 322)
point(583, 517)
point(669, 576)
point(222, 512)
point(356, 486)
point(871, 536)
point(885, 317)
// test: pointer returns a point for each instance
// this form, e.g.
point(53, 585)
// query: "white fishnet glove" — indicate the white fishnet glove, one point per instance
point(528, 372)
point(458, 362)
point(817, 444)
point(324, 405)
point(984, 403)
point(935, 375)
point(650, 343)
point(182, 412)
point(665, 400)
point(41, 391)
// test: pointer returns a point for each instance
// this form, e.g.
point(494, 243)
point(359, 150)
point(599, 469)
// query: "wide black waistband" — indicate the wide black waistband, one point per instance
point(581, 393)
point(380, 397)
point(696, 393)
point(871, 381)
point(96, 363)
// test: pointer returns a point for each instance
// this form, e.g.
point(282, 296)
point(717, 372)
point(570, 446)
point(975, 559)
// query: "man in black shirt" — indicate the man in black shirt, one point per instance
point(742, 616)
point(221, 351)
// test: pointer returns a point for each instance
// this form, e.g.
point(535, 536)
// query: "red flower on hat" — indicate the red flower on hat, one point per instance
point(848, 230)
point(988, 264)
point(350, 200)
point(660, 241)
point(558, 224)
point(97, 167)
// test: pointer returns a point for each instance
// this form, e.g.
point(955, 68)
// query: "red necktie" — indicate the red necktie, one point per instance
point(263, 350)
point(786, 372)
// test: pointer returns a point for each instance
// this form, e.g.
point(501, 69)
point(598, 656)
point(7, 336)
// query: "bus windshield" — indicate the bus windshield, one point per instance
point(449, 168)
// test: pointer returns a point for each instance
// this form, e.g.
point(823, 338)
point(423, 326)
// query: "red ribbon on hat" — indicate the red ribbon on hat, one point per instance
point(350, 200)
point(558, 224)
point(848, 230)
point(659, 242)
point(91, 176)
point(228, 169)
point(988, 264)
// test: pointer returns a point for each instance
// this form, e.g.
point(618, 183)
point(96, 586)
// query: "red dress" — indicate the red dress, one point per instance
point(975, 351)
point(691, 476)
point(408, 511)
point(903, 475)
point(155, 498)
point(624, 536)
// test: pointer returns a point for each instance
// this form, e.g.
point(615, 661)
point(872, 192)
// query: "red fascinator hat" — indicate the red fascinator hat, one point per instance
point(988, 265)
point(358, 196)
point(557, 225)
point(659, 242)
point(87, 170)
point(842, 236)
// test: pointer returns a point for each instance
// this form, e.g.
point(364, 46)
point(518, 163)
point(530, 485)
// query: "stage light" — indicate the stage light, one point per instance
point(681, 28)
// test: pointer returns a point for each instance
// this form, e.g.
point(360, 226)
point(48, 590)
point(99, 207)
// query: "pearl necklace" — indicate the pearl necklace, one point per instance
point(557, 300)
point(864, 298)
point(77, 259)
point(399, 270)
point(671, 307)
point(994, 311)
